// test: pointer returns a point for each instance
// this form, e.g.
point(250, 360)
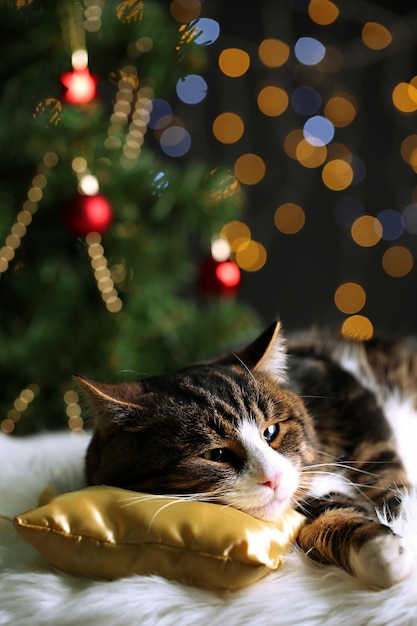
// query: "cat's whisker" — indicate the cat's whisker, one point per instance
point(339, 465)
point(249, 371)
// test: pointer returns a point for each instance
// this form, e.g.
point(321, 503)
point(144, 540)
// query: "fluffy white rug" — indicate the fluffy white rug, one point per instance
point(31, 592)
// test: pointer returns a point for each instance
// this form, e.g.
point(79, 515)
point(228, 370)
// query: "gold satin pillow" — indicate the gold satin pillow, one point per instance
point(106, 532)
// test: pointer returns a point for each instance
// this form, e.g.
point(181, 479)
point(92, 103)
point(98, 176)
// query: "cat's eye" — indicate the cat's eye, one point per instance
point(271, 432)
point(219, 455)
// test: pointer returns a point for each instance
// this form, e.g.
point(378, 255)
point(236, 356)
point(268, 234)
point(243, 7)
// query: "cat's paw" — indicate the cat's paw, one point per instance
point(381, 562)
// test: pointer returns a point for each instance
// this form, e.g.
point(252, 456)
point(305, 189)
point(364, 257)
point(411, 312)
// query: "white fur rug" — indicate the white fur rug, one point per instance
point(31, 592)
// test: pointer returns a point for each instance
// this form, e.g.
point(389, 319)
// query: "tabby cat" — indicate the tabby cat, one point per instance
point(307, 423)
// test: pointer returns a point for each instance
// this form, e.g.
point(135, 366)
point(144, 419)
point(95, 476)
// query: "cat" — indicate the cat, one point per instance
point(301, 423)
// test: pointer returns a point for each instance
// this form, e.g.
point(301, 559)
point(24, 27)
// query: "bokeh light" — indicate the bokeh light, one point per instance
point(397, 261)
point(249, 169)
point(251, 256)
point(161, 114)
point(358, 169)
point(191, 89)
point(340, 110)
point(309, 51)
point(185, 11)
point(318, 130)
point(228, 273)
point(337, 174)
point(289, 218)
point(236, 233)
point(410, 218)
point(220, 249)
point(234, 62)
point(305, 100)
point(228, 127)
point(175, 141)
point(323, 12)
point(272, 101)
point(291, 142)
point(366, 231)
point(273, 52)
point(357, 327)
point(392, 224)
point(310, 156)
point(207, 31)
point(350, 297)
point(408, 148)
point(404, 97)
point(376, 36)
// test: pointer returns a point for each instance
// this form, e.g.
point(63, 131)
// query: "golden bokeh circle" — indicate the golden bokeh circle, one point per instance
point(291, 142)
point(236, 233)
point(404, 97)
point(228, 127)
point(234, 62)
point(251, 256)
point(366, 231)
point(323, 12)
point(408, 147)
point(337, 174)
point(249, 169)
point(350, 297)
point(272, 101)
point(397, 261)
point(273, 52)
point(310, 156)
point(289, 218)
point(340, 111)
point(376, 36)
point(358, 327)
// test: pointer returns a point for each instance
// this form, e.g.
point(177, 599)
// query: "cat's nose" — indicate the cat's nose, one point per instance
point(272, 481)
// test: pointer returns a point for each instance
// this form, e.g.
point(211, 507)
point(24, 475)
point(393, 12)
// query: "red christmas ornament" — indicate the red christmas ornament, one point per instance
point(81, 86)
point(219, 278)
point(86, 214)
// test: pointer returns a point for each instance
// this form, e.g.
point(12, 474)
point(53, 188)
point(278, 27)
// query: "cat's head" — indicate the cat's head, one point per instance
point(228, 431)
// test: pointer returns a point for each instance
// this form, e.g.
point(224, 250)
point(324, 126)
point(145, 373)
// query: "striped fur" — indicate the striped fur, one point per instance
point(306, 424)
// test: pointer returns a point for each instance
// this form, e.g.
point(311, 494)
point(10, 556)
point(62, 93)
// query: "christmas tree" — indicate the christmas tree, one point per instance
point(104, 219)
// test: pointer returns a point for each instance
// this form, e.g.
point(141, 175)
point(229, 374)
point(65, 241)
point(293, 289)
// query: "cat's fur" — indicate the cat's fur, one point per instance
point(300, 425)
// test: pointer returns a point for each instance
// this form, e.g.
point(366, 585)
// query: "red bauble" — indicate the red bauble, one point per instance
point(86, 214)
point(219, 278)
point(81, 86)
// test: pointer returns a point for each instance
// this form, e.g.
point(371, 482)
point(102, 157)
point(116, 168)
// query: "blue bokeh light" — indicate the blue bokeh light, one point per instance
point(207, 29)
point(392, 224)
point(191, 89)
point(309, 51)
point(305, 100)
point(175, 141)
point(161, 113)
point(318, 131)
point(359, 169)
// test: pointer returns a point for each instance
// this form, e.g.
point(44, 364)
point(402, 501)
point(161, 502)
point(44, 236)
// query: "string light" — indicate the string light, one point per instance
point(29, 208)
point(73, 412)
point(102, 274)
point(20, 405)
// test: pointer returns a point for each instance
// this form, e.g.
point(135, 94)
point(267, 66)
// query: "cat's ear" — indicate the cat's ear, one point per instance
point(112, 406)
point(267, 353)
